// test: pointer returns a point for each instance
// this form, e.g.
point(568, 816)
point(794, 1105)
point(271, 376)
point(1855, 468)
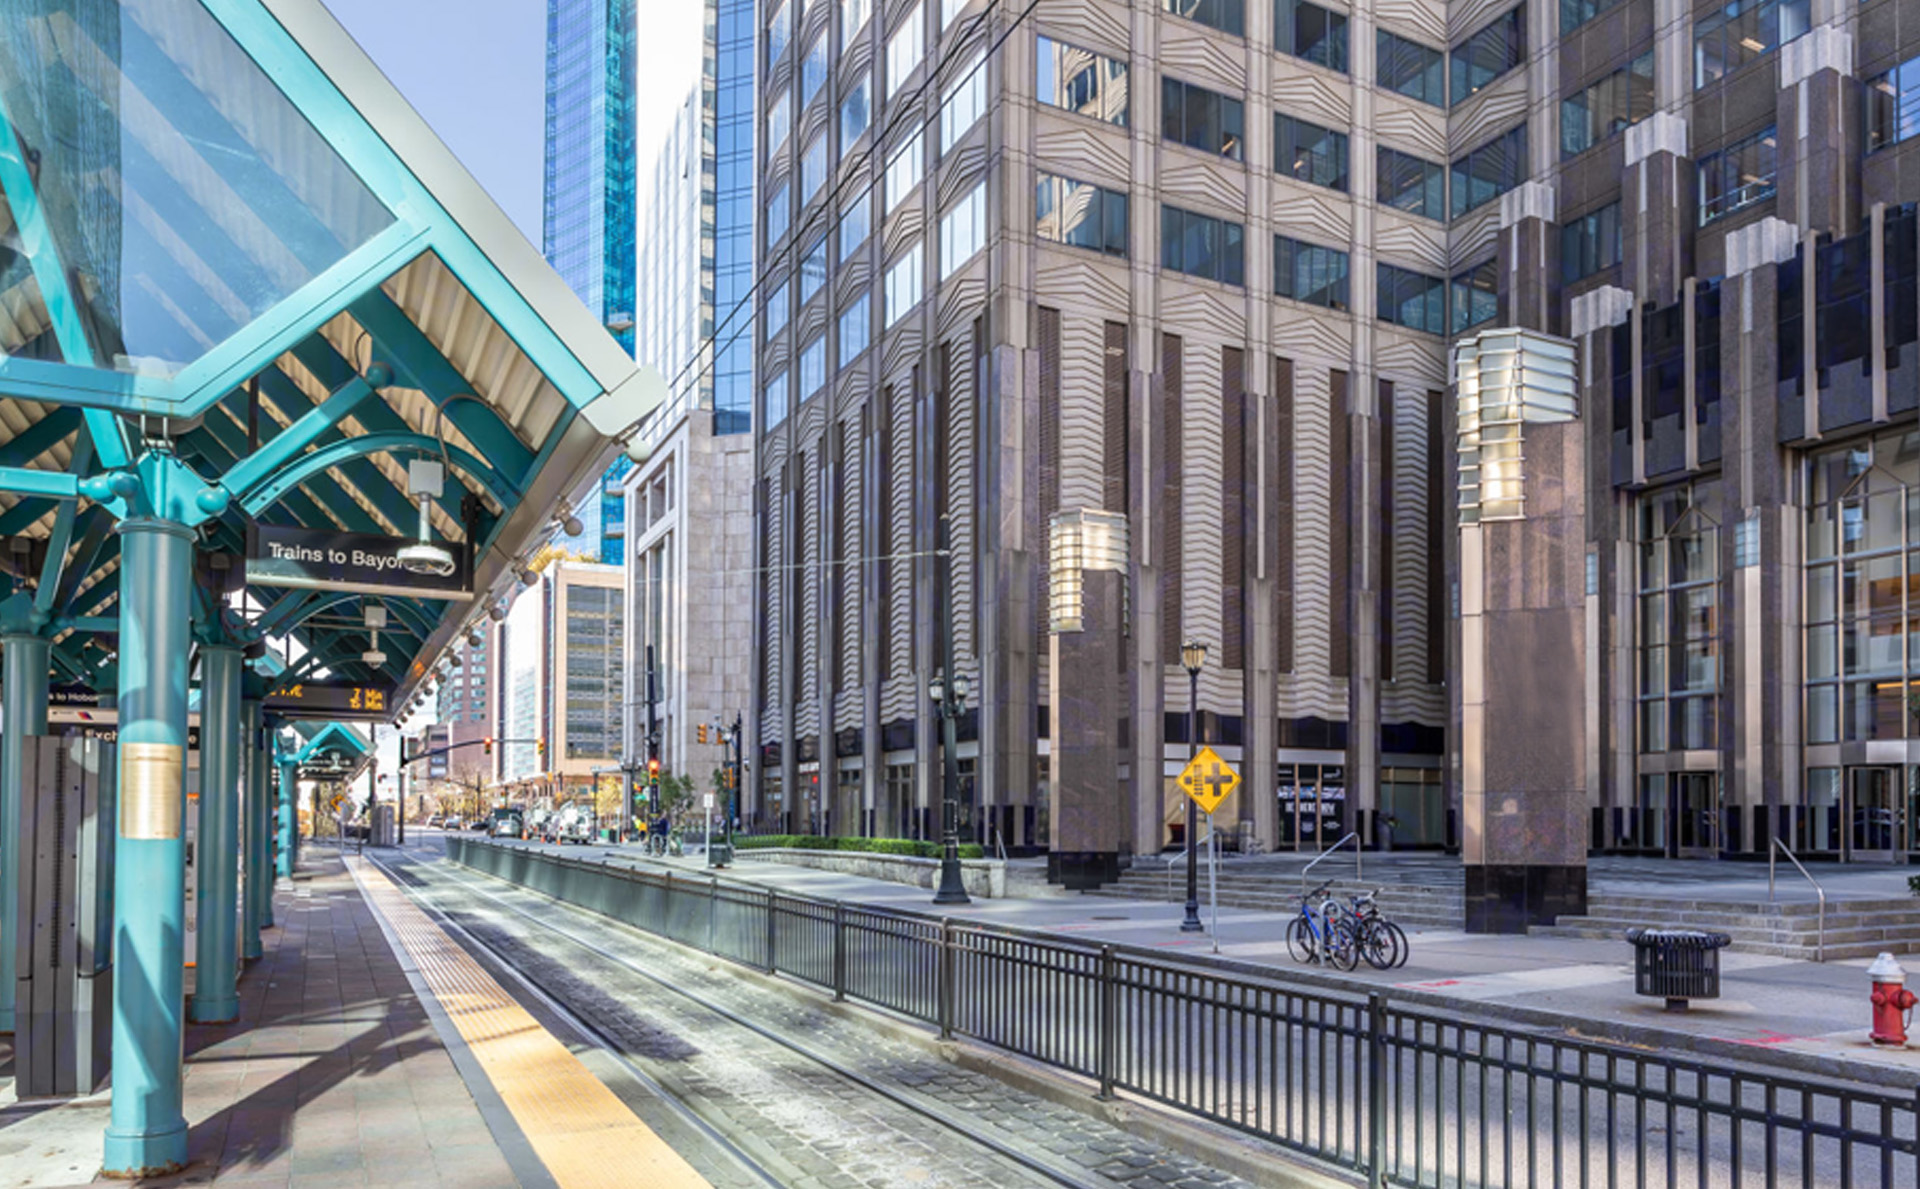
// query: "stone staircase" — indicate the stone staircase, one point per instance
point(1856, 928)
point(1262, 888)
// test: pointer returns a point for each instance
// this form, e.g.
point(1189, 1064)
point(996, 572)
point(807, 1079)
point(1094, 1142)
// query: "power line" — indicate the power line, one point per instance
point(708, 348)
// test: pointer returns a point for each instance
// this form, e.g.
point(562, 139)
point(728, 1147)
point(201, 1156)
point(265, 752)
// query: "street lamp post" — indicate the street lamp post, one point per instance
point(1193, 655)
point(950, 702)
point(724, 855)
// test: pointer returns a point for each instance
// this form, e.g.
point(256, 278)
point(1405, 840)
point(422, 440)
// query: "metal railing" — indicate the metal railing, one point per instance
point(1403, 1095)
point(1203, 851)
point(1353, 837)
point(1775, 848)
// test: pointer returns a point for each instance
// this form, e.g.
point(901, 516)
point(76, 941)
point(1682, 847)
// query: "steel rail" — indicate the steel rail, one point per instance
point(971, 1134)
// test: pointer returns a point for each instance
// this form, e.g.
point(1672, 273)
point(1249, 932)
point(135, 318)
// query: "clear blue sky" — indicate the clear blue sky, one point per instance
point(479, 79)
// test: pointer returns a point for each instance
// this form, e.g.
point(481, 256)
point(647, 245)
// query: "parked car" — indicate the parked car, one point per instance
point(434, 820)
point(509, 825)
point(448, 823)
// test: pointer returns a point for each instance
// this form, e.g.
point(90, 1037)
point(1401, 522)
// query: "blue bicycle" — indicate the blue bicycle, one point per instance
point(1322, 933)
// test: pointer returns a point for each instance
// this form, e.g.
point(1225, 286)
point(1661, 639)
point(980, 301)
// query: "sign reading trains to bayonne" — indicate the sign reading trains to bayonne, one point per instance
point(364, 562)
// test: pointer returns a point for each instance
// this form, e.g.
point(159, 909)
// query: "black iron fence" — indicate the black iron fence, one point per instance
point(1405, 1096)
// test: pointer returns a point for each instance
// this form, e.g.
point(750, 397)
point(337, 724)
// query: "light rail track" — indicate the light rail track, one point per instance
point(411, 877)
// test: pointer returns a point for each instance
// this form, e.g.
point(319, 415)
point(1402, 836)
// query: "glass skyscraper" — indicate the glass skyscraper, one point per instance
point(588, 217)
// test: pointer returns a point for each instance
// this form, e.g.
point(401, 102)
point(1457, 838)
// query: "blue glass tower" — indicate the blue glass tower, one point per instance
point(734, 60)
point(588, 216)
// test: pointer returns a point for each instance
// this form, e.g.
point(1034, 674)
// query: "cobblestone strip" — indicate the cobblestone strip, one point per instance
point(1020, 1119)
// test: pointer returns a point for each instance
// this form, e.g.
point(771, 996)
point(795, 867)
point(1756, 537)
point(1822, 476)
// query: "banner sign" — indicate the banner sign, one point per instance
point(335, 703)
point(366, 562)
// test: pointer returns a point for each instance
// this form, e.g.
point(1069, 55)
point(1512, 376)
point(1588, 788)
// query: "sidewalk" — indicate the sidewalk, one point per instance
point(1813, 1016)
point(333, 1075)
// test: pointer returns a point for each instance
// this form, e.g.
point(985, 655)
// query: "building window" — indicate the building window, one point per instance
point(1310, 32)
point(855, 112)
point(856, 328)
point(1575, 13)
point(966, 103)
point(904, 284)
point(776, 397)
point(1489, 171)
point(963, 230)
point(1310, 273)
point(776, 311)
point(1309, 153)
point(1081, 215)
point(1228, 16)
point(903, 51)
point(813, 368)
point(1742, 32)
point(813, 71)
point(1409, 68)
point(813, 169)
point(1081, 81)
point(813, 269)
point(779, 30)
point(1592, 114)
point(1490, 53)
point(1737, 176)
point(1203, 246)
point(1202, 119)
point(779, 121)
point(1475, 296)
point(1679, 678)
point(904, 170)
point(1893, 105)
point(777, 203)
point(1589, 243)
point(1412, 299)
point(1406, 183)
point(855, 222)
point(853, 18)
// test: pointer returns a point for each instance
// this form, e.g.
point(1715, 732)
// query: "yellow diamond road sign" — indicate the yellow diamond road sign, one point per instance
point(1208, 779)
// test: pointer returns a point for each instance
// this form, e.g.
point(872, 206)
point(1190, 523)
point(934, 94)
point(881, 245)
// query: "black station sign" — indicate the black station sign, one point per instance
point(363, 562)
point(335, 703)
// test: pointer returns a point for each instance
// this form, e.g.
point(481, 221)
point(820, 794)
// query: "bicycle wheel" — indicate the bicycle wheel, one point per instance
point(1377, 945)
point(1403, 949)
point(1300, 945)
point(1343, 946)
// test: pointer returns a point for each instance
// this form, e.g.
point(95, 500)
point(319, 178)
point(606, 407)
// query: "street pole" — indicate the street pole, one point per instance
point(1193, 654)
point(949, 695)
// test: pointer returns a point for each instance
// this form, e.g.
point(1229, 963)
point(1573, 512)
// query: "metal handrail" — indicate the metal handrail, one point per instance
point(1353, 836)
point(1180, 856)
point(1820, 938)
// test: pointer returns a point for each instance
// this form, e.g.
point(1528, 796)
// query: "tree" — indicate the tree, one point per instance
point(469, 785)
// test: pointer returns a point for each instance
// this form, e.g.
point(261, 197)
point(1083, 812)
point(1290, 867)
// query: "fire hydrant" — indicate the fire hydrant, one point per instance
point(1892, 1002)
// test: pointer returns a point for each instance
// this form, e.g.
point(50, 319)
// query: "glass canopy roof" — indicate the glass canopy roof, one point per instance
point(158, 192)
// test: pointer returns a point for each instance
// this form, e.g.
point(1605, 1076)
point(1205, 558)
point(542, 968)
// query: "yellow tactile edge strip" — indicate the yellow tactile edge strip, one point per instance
point(556, 1101)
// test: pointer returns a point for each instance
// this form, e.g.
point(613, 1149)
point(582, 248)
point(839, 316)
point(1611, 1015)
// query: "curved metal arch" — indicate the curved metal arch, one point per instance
point(263, 495)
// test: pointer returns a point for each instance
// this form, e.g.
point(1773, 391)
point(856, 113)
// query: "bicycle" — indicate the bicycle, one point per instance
point(1321, 935)
point(1382, 943)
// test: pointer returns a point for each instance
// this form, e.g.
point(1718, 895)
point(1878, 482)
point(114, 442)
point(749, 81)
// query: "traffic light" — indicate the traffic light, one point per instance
point(653, 770)
point(540, 745)
point(488, 745)
point(701, 733)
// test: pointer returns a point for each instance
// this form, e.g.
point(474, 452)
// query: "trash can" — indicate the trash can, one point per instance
point(1677, 964)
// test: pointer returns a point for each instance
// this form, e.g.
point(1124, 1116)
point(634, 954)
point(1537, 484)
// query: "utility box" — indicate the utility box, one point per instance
point(64, 952)
point(382, 826)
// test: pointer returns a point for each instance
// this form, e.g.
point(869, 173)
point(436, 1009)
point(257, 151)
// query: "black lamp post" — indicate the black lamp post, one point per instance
point(950, 699)
point(1193, 655)
point(723, 854)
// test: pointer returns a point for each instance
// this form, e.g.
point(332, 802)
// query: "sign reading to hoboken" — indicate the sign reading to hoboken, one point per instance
point(365, 562)
point(336, 702)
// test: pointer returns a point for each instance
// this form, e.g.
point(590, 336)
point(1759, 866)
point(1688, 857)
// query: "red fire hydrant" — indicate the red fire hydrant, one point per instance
point(1892, 1002)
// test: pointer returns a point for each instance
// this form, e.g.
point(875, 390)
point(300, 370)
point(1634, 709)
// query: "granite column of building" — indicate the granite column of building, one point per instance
point(1821, 139)
point(1760, 540)
point(1085, 697)
point(1144, 708)
point(1009, 560)
point(875, 517)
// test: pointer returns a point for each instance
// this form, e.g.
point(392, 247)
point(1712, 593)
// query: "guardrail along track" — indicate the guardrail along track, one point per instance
point(1404, 1096)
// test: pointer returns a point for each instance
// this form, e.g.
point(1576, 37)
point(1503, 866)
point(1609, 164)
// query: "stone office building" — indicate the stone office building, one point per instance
point(1199, 263)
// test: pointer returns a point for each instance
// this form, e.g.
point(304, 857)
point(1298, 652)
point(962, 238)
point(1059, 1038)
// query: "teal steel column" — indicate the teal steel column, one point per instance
point(23, 705)
point(289, 817)
point(216, 998)
point(147, 1133)
point(266, 793)
point(253, 843)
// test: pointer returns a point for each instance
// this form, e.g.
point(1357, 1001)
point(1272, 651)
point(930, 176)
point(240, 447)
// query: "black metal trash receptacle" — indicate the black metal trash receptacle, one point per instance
point(1677, 964)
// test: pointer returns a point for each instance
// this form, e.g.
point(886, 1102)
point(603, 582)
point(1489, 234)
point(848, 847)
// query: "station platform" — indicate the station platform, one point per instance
point(370, 1050)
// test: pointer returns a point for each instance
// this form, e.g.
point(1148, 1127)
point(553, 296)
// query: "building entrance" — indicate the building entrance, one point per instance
point(1696, 808)
point(1313, 805)
point(1874, 813)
